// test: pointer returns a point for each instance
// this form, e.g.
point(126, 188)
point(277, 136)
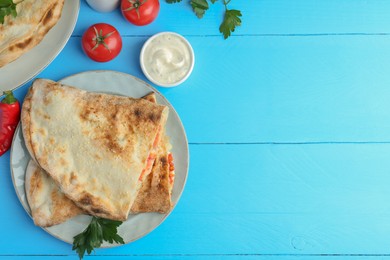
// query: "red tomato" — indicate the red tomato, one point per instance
point(102, 42)
point(140, 12)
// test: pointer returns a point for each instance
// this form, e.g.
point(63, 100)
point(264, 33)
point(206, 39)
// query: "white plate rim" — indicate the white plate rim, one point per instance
point(106, 245)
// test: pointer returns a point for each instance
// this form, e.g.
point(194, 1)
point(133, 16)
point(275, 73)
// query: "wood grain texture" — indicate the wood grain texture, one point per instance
point(270, 89)
point(203, 256)
point(269, 199)
point(289, 130)
point(278, 17)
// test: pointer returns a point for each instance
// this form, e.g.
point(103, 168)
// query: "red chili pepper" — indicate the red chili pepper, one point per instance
point(9, 119)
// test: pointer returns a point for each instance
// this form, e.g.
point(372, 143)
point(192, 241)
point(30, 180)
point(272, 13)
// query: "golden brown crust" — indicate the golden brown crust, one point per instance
point(138, 116)
point(155, 193)
point(17, 42)
point(94, 146)
point(25, 119)
point(49, 206)
point(151, 97)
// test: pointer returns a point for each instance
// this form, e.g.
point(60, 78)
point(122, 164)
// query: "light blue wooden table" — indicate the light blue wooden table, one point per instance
point(289, 129)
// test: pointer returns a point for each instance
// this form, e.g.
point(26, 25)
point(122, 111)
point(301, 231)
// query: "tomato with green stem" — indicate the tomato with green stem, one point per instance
point(140, 12)
point(102, 42)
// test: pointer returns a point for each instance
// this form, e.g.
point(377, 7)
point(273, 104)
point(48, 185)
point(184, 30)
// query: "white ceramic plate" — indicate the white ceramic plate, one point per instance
point(112, 82)
point(28, 65)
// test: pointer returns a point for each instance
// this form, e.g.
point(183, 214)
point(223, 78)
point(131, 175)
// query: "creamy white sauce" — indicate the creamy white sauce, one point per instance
point(167, 58)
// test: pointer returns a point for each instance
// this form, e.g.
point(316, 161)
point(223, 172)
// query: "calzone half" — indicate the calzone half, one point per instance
point(49, 206)
point(98, 148)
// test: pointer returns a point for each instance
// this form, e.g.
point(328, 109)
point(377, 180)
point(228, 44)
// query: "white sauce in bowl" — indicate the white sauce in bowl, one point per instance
point(167, 59)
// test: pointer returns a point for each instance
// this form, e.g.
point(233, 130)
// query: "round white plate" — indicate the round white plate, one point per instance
point(28, 65)
point(136, 226)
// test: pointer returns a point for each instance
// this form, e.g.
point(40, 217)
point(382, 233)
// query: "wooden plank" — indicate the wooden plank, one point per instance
point(211, 257)
point(253, 199)
point(270, 89)
point(261, 17)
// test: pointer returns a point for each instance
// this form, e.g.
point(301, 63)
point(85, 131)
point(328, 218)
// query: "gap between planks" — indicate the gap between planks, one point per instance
point(201, 255)
point(291, 143)
point(266, 35)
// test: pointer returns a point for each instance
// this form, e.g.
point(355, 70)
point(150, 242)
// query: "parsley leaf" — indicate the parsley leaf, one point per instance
point(98, 230)
point(230, 21)
point(7, 7)
point(231, 18)
point(109, 228)
point(199, 7)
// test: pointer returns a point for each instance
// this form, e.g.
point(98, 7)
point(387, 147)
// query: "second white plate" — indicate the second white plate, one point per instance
point(21, 70)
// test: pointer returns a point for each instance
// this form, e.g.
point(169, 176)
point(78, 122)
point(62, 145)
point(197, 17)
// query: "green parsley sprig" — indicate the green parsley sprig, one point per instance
point(92, 237)
point(7, 7)
point(231, 17)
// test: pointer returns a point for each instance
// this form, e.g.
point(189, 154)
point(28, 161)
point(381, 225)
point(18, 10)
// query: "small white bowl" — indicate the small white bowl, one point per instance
point(145, 69)
point(103, 6)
